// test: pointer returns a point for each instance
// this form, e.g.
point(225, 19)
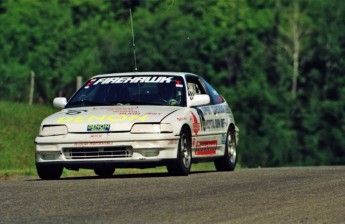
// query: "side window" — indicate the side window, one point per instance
point(195, 87)
point(216, 98)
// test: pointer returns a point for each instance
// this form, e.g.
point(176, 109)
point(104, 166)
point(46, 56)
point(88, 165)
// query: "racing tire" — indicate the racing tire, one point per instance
point(49, 172)
point(182, 164)
point(229, 160)
point(104, 172)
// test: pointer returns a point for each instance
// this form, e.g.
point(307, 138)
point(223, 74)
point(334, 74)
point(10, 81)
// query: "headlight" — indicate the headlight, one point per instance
point(52, 130)
point(151, 128)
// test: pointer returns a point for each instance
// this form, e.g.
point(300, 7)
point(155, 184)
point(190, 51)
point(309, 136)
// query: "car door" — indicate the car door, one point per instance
point(206, 142)
point(222, 113)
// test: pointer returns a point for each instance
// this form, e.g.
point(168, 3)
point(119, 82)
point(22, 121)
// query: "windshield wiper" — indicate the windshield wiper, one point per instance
point(83, 103)
point(132, 102)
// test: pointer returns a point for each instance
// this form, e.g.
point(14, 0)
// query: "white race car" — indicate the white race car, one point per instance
point(138, 120)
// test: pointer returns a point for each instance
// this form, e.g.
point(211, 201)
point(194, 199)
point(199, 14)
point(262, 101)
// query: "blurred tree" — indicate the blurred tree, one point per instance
point(323, 93)
point(57, 51)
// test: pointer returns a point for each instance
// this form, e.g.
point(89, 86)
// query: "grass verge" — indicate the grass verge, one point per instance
point(19, 127)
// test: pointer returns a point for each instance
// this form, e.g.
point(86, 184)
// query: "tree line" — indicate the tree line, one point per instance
point(279, 63)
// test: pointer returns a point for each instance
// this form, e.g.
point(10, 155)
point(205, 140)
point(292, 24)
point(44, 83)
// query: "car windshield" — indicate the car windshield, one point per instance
point(131, 90)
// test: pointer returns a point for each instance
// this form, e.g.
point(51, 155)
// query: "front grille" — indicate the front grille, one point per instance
point(98, 153)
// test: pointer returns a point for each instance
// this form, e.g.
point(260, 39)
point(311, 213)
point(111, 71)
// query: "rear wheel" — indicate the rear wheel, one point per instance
point(182, 165)
point(104, 171)
point(229, 160)
point(49, 172)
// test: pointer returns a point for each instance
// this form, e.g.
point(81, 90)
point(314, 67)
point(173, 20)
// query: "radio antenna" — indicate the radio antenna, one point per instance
point(134, 54)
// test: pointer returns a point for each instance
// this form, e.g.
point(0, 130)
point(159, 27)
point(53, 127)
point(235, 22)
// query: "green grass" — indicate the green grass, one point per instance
point(18, 129)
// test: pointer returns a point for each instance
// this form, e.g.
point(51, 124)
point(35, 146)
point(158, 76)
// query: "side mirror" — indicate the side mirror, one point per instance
point(60, 102)
point(200, 100)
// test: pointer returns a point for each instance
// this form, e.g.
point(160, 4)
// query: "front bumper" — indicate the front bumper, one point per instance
point(115, 149)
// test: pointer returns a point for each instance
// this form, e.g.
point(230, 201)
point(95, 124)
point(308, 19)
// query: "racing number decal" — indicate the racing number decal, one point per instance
point(74, 112)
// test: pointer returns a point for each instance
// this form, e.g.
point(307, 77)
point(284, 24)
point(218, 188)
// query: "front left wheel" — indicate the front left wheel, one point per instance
point(182, 164)
point(49, 172)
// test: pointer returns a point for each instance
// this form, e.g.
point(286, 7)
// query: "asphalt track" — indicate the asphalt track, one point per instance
point(280, 195)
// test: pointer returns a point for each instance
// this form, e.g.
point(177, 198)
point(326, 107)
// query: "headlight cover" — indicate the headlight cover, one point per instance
point(53, 130)
point(151, 128)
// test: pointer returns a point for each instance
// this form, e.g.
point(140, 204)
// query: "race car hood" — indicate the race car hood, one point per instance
point(104, 119)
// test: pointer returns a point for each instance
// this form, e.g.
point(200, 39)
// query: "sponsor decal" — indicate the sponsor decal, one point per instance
point(223, 138)
point(110, 118)
point(196, 125)
point(98, 127)
point(181, 118)
point(207, 110)
point(90, 83)
point(172, 142)
point(211, 123)
point(138, 79)
point(79, 144)
point(206, 147)
point(213, 110)
point(153, 113)
point(214, 124)
point(220, 99)
point(123, 110)
point(202, 118)
point(178, 83)
point(220, 109)
point(191, 90)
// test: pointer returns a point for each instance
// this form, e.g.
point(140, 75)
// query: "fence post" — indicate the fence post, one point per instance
point(79, 82)
point(32, 88)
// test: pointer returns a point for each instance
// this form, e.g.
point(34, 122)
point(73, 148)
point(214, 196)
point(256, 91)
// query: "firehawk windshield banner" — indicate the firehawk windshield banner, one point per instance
point(139, 79)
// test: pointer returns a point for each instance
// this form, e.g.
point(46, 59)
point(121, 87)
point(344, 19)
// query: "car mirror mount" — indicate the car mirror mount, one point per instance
point(200, 100)
point(60, 102)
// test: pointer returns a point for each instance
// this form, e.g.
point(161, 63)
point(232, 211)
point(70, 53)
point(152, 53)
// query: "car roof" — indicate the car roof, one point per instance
point(144, 73)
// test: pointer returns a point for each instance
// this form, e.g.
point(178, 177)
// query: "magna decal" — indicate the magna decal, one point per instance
point(139, 79)
point(206, 147)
